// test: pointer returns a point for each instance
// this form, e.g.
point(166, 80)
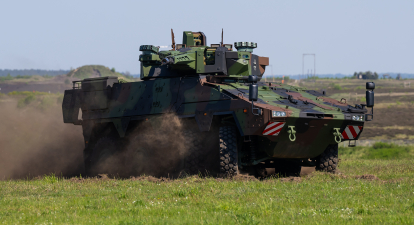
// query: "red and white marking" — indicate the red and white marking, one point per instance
point(351, 132)
point(273, 128)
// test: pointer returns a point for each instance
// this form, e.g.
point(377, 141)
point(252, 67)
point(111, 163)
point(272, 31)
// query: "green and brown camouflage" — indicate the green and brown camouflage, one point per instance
point(209, 84)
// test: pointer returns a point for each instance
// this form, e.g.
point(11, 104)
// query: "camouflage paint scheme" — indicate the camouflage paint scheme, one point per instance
point(202, 82)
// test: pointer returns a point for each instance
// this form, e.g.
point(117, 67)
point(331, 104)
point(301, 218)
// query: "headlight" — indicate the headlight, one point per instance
point(278, 114)
point(358, 117)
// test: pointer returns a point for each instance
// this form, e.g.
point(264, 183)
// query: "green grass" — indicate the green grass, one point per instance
point(25, 78)
point(318, 198)
point(336, 86)
point(27, 93)
point(379, 150)
point(6, 78)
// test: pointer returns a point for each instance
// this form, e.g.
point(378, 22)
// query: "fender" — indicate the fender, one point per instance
point(71, 105)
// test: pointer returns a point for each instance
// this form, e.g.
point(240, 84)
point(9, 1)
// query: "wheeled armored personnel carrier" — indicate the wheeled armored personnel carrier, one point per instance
point(216, 91)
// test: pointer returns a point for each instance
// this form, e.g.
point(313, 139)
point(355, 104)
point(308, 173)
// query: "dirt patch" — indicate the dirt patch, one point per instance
point(291, 179)
point(76, 180)
point(393, 116)
point(103, 177)
point(367, 177)
point(53, 88)
point(389, 133)
point(244, 177)
point(385, 119)
point(306, 171)
point(150, 179)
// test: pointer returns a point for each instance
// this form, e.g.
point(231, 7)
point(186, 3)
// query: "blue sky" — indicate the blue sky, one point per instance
point(346, 36)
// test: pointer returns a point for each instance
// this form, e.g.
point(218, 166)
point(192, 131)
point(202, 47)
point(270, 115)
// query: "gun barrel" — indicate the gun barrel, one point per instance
point(167, 60)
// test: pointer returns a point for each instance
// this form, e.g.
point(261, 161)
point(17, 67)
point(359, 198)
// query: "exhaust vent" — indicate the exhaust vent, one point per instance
point(319, 115)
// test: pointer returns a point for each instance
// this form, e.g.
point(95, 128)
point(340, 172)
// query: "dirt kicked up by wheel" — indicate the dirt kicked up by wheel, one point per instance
point(328, 160)
point(105, 157)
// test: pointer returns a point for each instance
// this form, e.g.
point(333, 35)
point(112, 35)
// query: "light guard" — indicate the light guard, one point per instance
point(278, 114)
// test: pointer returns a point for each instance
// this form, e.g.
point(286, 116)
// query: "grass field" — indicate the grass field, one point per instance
point(374, 186)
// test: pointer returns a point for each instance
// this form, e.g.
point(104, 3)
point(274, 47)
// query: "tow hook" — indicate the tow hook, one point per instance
point(337, 135)
point(291, 132)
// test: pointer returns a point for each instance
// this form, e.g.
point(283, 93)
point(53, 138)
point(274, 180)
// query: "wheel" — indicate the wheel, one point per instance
point(228, 151)
point(105, 157)
point(195, 152)
point(328, 160)
point(287, 168)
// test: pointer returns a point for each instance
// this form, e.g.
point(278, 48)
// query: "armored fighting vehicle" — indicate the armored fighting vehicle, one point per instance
point(244, 123)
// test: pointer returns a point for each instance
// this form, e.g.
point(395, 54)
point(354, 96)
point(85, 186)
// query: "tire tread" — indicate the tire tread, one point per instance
point(328, 160)
point(228, 151)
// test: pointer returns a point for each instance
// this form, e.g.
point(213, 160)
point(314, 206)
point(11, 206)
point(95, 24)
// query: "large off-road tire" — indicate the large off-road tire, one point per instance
point(105, 157)
point(228, 151)
point(193, 144)
point(328, 160)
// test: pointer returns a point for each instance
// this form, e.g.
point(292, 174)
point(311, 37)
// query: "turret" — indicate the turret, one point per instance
point(193, 57)
point(194, 39)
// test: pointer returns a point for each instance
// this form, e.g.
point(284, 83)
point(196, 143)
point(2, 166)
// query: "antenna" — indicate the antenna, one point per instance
point(222, 44)
point(303, 64)
point(173, 41)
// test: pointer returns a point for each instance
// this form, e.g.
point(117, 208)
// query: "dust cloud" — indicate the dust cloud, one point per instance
point(165, 148)
point(35, 142)
point(156, 147)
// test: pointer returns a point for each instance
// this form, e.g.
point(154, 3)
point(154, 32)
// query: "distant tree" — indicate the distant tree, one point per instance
point(366, 75)
point(113, 69)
